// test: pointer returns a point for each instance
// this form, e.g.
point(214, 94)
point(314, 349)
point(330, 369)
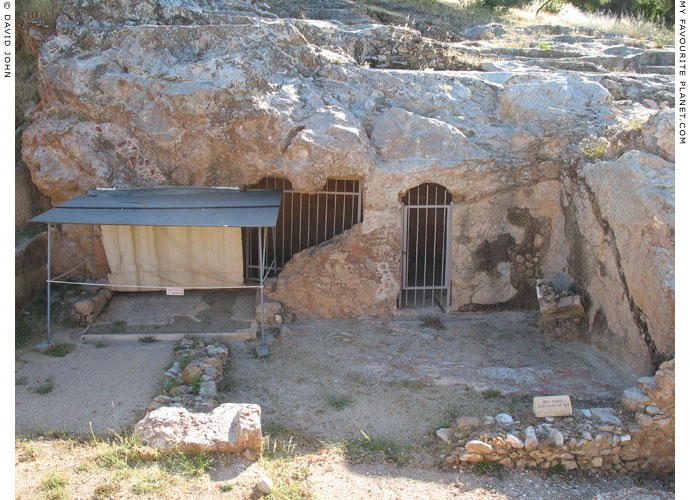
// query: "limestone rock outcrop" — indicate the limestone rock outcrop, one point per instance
point(625, 212)
point(195, 92)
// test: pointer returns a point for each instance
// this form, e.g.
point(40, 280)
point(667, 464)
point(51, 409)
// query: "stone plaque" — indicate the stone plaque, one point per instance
point(552, 406)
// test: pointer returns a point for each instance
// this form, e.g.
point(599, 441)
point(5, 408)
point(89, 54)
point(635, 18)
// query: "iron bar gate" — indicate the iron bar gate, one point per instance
point(305, 220)
point(426, 247)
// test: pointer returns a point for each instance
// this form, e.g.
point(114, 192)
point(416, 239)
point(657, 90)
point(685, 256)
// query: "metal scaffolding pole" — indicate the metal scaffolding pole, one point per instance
point(48, 282)
point(93, 256)
point(262, 350)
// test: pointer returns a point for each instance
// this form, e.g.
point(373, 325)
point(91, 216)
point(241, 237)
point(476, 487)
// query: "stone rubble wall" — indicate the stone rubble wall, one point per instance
point(191, 382)
point(637, 438)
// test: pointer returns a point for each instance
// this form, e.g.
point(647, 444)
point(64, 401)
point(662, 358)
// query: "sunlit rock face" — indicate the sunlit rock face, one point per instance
point(145, 94)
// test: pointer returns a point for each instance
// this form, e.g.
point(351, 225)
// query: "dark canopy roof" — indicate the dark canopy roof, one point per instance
point(174, 206)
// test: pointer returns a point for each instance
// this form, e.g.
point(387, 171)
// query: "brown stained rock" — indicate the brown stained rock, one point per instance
point(467, 422)
point(472, 457)
point(230, 428)
point(354, 274)
point(272, 310)
point(191, 373)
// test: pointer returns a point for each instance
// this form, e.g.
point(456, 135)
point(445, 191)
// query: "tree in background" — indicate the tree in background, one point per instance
point(661, 11)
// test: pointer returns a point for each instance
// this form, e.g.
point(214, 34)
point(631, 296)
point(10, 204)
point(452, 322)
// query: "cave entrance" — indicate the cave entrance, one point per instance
point(305, 220)
point(426, 247)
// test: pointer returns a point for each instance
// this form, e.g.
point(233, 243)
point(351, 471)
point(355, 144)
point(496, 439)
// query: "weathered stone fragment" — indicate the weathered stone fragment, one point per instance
point(445, 434)
point(634, 399)
point(191, 373)
point(229, 428)
point(467, 422)
point(476, 446)
point(531, 441)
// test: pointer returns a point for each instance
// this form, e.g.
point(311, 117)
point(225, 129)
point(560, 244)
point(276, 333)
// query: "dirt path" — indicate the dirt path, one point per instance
point(108, 385)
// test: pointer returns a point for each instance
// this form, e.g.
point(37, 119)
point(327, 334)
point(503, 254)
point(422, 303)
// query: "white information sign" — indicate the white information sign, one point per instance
point(552, 406)
point(174, 291)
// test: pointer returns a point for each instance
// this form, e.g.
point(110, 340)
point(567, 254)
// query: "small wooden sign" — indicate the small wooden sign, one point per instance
point(552, 406)
point(174, 291)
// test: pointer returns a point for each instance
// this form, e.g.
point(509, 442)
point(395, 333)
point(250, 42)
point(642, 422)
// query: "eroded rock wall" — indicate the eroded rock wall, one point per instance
point(225, 93)
point(622, 249)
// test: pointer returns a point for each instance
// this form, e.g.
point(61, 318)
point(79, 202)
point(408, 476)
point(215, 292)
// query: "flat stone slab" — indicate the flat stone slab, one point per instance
point(230, 428)
point(149, 309)
point(248, 333)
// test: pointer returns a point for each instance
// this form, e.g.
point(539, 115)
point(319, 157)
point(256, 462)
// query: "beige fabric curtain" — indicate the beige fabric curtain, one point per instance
point(170, 256)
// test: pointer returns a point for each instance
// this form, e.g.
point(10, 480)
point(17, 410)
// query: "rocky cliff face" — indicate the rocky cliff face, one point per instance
point(225, 93)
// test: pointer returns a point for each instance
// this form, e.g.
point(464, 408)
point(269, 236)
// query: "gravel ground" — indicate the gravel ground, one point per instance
point(403, 378)
point(109, 387)
point(323, 384)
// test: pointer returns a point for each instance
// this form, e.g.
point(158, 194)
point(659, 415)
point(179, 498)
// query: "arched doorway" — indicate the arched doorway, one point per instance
point(426, 247)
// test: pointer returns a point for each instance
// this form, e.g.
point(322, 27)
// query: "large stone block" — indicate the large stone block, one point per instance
point(230, 428)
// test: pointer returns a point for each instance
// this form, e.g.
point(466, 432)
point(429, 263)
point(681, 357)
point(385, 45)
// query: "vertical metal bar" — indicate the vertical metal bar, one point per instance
point(352, 208)
point(325, 219)
point(403, 278)
point(445, 247)
point(261, 286)
point(50, 237)
point(433, 276)
point(344, 196)
point(299, 246)
point(449, 224)
point(245, 232)
point(426, 241)
point(359, 202)
point(275, 255)
point(93, 257)
point(416, 250)
point(308, 220)
point(335, 207)
point(316, 229)
point(282, 231)
point(251, 250)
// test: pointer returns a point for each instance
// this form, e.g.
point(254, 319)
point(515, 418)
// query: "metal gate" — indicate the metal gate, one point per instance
point(426, 250)
point(304, 221)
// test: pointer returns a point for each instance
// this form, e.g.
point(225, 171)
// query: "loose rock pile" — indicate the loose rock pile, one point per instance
point(604, 439)
point(561, 313)
point(191, 382)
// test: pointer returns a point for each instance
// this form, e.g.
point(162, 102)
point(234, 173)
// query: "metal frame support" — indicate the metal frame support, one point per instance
point(449, 256)
point(48, 283)
point(262, 349)
point(93, 256)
